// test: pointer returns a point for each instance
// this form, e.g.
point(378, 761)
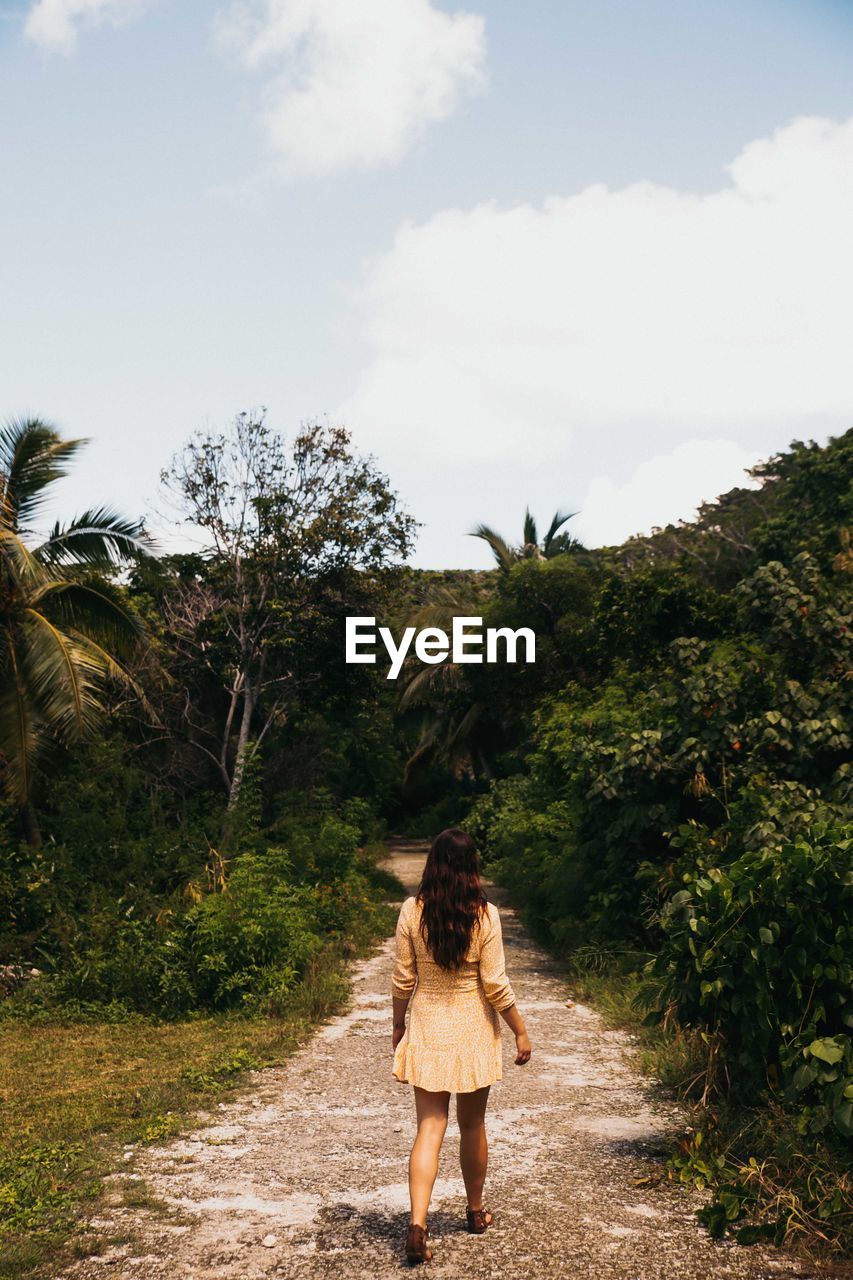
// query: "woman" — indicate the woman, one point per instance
point(449, 942)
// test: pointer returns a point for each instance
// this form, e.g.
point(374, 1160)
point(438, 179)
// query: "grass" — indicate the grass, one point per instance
point(672, 1054)
point(765, 1179)
point(72, 1094)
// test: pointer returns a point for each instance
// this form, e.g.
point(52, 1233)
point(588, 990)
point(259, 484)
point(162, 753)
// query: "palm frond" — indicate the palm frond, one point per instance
point(113, 669)
point(24, 572)
point(560, 518)
point(439, 611)
point(422, 752)
point(32, 456)
point(503, 553)
point(61, 635)
point(99, 538)
point(90, 610)
point(461, 735)
point(64, 678)
point(531, 534)
point(430, 683)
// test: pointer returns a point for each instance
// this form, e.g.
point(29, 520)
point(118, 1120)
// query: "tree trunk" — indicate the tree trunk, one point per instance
point(243, 742)
point(242, 745)
point(32, 829)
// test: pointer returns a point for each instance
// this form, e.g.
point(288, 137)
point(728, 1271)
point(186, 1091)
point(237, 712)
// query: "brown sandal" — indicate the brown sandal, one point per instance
point(417, 1246)
point(478, 1220)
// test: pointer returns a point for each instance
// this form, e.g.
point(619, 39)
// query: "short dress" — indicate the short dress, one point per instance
point(453, 1038)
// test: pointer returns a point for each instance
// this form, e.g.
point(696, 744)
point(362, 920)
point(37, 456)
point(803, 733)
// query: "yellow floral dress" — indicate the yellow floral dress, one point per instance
point(453, 1038)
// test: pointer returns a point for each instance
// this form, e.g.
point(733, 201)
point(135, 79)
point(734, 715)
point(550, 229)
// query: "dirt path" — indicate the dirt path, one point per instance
point(304, 1174)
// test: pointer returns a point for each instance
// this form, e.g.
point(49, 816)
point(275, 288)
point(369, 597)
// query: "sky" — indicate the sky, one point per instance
point(573, 254)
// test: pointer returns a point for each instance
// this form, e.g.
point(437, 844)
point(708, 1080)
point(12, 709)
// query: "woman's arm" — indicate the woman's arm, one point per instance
point(498, 989)
point(404, 976)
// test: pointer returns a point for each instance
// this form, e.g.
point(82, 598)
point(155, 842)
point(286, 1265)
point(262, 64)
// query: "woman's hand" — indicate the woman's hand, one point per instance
point(522, 1048)
point(399, 1005)
point(513, 1020)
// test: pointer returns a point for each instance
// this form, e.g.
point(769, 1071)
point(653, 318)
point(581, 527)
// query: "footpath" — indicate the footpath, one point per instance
point(302, 1176)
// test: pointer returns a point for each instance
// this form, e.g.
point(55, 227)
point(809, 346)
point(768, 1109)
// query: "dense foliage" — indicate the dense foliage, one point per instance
point(198, 841)
point(679, 791)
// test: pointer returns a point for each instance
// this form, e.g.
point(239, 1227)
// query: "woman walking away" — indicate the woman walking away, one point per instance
point(449, 942)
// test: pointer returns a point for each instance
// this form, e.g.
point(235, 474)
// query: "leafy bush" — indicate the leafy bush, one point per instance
point(241, 939)
point(584, 834)
point(249, 942)
point(758, 951)
point(695, 803)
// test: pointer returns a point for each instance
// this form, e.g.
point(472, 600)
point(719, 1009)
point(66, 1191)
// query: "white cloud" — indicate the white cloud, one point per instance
point(355, 82)
point(54, 23)
point(641, 310)
point(662, 490)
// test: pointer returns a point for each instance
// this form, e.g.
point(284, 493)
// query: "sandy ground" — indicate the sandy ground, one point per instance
point(304, 1173)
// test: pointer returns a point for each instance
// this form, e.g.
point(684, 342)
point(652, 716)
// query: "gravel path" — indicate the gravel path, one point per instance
point(304, 1174)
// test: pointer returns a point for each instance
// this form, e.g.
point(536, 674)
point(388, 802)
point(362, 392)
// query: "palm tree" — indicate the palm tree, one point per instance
point(553, 544)
point(456, 735)
point(62, 627)
point(456, 725)
point(449, 720)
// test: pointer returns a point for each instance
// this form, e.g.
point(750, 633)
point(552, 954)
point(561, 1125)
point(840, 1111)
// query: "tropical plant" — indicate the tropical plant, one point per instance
point(756, 952)
point(450, 715)
point(453, 722)
point(63, 629)
point(553, 544)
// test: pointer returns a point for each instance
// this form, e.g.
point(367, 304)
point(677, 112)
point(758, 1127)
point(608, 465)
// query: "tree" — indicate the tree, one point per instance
point(469, 716)
point(452, 719)
point(62, 627)
point(553, 544)
point(801, 500)
point(288, 528)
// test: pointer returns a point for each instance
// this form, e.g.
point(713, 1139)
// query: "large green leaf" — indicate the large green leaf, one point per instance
point(826, 1050)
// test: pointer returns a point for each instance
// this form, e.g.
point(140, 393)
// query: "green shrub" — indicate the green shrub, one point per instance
point(242, 940)
point(252, 939)
point(758, 951)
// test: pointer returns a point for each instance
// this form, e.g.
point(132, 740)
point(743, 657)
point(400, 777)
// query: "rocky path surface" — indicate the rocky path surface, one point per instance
point(304, 1173)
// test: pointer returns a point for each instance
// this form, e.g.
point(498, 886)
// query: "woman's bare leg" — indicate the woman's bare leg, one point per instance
point(431, 1109)
point(473, 1147)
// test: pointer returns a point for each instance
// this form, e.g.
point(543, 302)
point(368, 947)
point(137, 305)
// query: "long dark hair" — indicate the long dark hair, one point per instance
point(452, 897)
